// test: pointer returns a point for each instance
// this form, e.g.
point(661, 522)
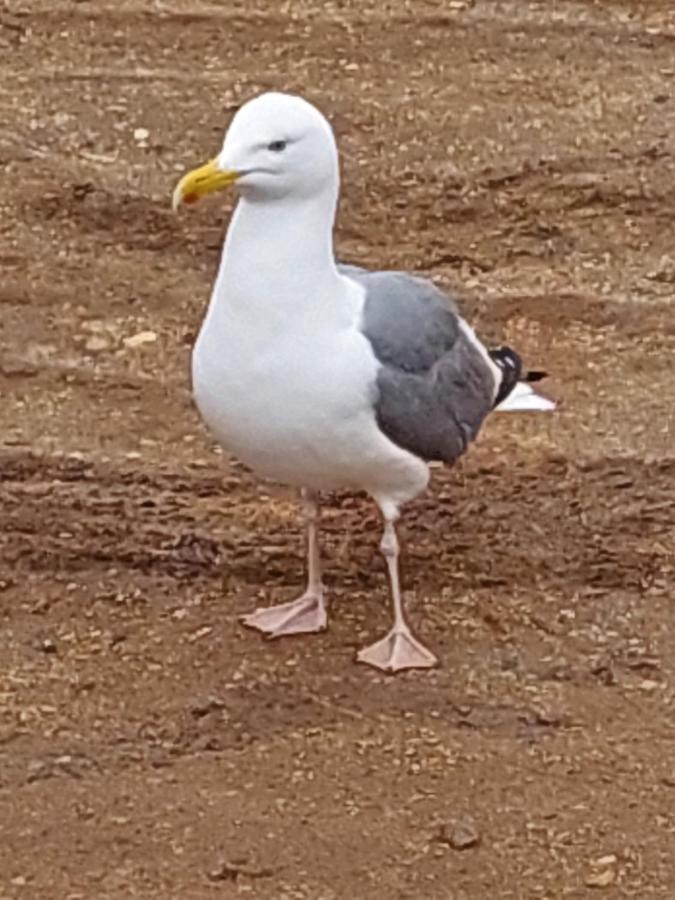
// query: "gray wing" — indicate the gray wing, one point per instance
point(435, 387)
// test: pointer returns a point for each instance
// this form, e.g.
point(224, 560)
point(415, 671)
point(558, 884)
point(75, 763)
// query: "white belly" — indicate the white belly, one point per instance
point(298, 408)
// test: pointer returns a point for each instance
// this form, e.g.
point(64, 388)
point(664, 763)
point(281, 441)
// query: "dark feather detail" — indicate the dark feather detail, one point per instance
point(534, 375)
point(512, 368)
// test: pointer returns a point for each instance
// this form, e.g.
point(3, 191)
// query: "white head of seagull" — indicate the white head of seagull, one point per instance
point(280, 154)
point(278, 148)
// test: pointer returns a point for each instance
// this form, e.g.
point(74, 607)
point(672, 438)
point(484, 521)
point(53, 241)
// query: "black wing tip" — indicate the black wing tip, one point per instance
point(506, 358)
point(511, 367)
point(535, 375)
point(512, 372)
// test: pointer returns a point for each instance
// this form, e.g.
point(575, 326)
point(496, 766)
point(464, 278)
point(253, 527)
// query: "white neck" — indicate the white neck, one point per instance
point(278, 262)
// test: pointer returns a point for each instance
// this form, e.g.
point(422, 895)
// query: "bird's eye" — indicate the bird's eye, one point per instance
point(277, 146)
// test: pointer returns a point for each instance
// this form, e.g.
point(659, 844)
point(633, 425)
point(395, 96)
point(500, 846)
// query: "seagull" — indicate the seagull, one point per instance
point(324, 376)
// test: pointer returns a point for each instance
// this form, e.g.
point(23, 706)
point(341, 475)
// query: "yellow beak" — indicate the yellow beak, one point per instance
point(202, 181)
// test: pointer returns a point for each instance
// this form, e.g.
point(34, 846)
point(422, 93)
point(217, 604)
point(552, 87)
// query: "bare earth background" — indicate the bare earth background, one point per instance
point(523, 155)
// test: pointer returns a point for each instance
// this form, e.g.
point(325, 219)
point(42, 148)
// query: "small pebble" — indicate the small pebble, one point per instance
point(460, 834)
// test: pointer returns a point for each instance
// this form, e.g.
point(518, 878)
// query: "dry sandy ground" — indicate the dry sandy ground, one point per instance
point(520, 153)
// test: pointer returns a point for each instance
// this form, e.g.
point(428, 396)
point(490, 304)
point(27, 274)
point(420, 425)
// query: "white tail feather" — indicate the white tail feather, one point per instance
point(523, 399)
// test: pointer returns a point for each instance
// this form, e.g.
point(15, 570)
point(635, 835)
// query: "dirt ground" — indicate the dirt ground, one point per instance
point(521, 153)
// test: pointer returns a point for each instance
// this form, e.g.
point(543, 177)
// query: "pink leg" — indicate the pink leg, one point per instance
point(399, 649)
point(308, 613)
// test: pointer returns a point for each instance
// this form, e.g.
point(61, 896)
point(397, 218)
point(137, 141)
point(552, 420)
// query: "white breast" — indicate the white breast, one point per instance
point(295, 403)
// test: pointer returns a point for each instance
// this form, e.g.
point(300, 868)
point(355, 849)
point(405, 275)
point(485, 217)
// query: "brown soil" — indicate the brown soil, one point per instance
point(521, 153)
